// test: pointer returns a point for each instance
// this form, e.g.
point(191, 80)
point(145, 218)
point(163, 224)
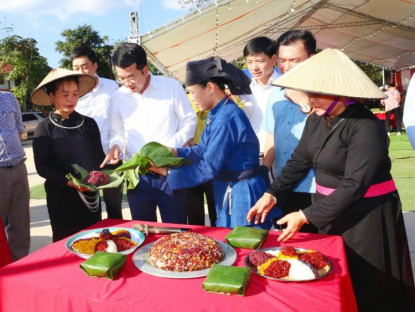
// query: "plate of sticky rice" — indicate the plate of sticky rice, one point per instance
point(289, 264)
point(111, 239)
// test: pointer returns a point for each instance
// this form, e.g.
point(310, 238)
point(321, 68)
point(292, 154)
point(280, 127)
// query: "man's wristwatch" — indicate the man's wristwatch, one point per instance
point(306, 108)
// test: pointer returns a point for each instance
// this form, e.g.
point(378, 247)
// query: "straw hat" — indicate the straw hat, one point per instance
point(330, 72)
point(40, 97)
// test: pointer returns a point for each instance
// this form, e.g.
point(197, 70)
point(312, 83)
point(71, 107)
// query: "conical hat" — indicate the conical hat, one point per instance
point(40, 97)
point(330, 72)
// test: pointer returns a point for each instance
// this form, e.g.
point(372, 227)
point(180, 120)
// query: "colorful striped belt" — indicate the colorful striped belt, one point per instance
point(373, 191)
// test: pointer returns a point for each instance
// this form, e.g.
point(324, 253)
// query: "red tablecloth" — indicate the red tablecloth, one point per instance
point(51, 280)
point(5, 255)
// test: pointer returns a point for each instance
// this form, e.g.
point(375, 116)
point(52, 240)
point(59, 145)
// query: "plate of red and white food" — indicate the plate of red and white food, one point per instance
point(289, 264)
point(111, 239)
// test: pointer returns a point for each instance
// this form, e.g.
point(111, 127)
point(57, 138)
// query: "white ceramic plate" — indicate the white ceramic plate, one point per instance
point(140, 259)
point(136, 236)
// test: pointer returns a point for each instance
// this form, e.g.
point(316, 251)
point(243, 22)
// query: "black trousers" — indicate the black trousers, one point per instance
point(398, 119)
point(195, 205)
point(113, 200)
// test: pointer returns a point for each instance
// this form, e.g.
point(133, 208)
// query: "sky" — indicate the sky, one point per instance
point(45, 20)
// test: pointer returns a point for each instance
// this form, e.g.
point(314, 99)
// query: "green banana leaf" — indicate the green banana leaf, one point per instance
point(246, 237)
point(139, 163)
point(159, 154)
point(227, 279)
point(132, 178)
point(162, 156)
point(116, 179)
point(104, 264)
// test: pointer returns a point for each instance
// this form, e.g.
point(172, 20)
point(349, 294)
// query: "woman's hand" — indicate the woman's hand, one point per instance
point(294, 221)
point(261, 208)
point(79, 189)
point(113, 156)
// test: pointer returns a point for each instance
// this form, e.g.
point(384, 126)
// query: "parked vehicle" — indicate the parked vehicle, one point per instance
point(24, 134)
point(31, 120)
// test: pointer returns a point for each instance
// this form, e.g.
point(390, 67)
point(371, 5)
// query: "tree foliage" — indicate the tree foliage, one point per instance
point(86, 35)
point(373, 72)
point(28, 67)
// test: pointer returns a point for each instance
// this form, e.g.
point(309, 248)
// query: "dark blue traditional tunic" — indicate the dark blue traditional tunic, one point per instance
point(228, 148)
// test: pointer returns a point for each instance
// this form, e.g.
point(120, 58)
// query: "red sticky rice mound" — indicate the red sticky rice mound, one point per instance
point(123, 243)
point(97, 178)
point(315, 258)
point(288, 251)
point(278, 269)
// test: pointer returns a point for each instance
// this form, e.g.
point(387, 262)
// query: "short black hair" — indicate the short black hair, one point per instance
point(260, 45)
point(293, 36)
point(127, 54)
point(84, 50)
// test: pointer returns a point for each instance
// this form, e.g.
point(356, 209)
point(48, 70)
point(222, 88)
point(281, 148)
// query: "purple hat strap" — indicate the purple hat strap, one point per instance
point(331, 107)
point(334, 103)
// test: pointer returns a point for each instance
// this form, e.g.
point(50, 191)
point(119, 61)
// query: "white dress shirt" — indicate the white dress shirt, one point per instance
point(409, 112)
point(96, 104)
point(255, 108)
point(162, 114)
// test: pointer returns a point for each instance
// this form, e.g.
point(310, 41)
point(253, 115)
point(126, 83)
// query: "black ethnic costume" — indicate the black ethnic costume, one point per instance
point(350, 156)
point(58, 144)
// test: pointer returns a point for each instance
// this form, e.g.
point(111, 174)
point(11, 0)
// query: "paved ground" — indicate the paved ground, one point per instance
point(41, 234)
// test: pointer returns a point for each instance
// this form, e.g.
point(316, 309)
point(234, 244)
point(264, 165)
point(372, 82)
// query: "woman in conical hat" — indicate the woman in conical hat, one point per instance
point(356, 196)
point(66, 137)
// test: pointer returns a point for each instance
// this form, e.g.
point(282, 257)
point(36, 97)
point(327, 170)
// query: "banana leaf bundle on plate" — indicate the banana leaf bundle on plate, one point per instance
point(139, 163)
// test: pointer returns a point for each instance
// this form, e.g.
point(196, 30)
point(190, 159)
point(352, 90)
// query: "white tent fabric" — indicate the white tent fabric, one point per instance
point(379, 32)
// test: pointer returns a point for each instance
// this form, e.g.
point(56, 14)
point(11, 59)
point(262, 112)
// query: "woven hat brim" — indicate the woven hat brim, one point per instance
point(40, 97)
point(330, 72)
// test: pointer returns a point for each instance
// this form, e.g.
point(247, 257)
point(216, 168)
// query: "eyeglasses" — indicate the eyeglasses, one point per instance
point(131, 79)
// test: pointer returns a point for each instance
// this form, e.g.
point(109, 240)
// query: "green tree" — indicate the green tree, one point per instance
point(240, 62)
point(28, 66)
point(373, 72)
point(86, 35)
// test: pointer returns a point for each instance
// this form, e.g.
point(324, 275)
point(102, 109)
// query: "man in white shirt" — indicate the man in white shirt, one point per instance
point(148, 108)
point(95, 104)
point(261, 56)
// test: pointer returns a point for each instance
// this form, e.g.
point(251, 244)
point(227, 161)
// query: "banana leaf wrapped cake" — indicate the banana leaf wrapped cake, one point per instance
point(104, 264)
point(227, 280)
point(246, 237)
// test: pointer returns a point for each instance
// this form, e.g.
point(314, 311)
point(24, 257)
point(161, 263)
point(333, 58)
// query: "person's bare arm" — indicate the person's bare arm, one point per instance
point(269, 152)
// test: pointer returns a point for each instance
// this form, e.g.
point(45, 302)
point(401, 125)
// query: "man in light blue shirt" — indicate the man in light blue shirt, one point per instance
point(285, 118)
